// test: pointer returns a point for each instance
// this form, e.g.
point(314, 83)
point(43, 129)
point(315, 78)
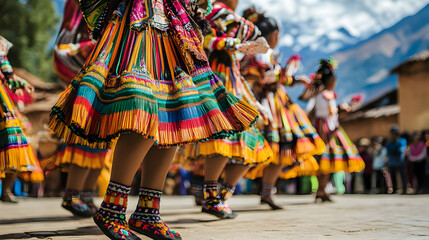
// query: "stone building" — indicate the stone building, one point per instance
point(413, 94)
point(374, 118)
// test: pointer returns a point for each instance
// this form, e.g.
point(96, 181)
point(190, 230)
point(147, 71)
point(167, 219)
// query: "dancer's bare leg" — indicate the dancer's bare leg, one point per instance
point(270, 175)
point(155, 167)
point(7, 182)
point(213, 168)
point(129, 153)
point(76, 177)
point(234, 172)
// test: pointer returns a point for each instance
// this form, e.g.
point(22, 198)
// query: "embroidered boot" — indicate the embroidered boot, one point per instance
point(110, 218)
point(72, 203)
point(266, 193)
point(226, 192)
point(87, 198)
point(212, 203)
point(146, 219)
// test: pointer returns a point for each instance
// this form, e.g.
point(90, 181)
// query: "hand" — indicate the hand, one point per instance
point(29, 88)
point(253, 47)
point(303, 79)
point(19, 92)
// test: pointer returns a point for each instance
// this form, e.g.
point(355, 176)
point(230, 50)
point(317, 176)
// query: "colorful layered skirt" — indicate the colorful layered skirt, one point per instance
point(16, 155)
point(67, 64)
point(82, 156)
point(292, 137)
point(340, 154)
point(245, 148)
point(155, 82)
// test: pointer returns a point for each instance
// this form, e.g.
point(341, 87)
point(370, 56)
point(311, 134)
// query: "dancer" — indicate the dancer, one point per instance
point(83, 164)
point(340, 154)
point(147, 83)
point(16, 154)
point(234, 155)
point(287, 128)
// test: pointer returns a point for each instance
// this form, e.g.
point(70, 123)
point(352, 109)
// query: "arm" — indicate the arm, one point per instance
point(6, 68)
point(233, 25)
point(11, 80)
point(217, 40)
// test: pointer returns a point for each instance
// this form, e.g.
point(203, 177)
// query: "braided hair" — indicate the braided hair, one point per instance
point(325, 71)
point(323, 74)
point(265, 24)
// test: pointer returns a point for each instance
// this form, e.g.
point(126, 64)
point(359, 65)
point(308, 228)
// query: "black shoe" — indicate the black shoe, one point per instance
point(90, 204)
point(323, 199)
point(268, 200)
point(217, 208)
point(113, 229)
point(77, 207)
point(148, 231)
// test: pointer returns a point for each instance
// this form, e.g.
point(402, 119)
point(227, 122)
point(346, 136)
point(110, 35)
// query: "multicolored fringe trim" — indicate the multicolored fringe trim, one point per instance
point(146, 219)
point(341, 154)
point(82, 156)
point(307, 166)
point(16, 155)
point(36, 175)
point(302, 143)
point(248, 148)
point(141, 82)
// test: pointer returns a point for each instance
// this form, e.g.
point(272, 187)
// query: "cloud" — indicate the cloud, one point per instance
point(307, 21)
point(378, 77)
point(286, 40)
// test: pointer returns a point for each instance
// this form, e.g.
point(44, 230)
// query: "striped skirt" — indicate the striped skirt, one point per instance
point(292, 137)
point(150, 82)
point(82, 156)
point(340, 154)
point(245, 148)
point(16, 155)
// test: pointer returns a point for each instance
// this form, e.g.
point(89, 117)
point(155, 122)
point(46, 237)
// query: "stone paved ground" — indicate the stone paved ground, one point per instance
point(350, 217)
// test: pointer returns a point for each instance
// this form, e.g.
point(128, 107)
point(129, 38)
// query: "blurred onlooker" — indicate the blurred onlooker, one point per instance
point(417, 155)
point(379, 173)
point(367, 158)
point(396, 158)
point(427, 163)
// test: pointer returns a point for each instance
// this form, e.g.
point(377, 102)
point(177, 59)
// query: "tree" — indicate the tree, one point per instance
point(30, 25)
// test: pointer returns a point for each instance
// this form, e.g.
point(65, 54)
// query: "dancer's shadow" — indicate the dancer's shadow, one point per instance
point(191, 212)
point(301, 203)
point(81, 231)
point(192, 221)
point(265, 208)
point(38, 219)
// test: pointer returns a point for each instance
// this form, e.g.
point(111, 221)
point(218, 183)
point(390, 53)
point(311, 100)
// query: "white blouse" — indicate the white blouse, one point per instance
point(327, 109)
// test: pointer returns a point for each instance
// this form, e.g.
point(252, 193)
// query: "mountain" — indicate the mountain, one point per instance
point(364, 67)
point(320, 28)
point(329, 25)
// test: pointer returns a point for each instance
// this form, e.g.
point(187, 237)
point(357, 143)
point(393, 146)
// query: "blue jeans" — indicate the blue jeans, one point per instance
point(393, 173)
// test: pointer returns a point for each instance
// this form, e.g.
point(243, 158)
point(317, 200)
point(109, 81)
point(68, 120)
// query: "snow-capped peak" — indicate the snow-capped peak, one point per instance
point(328, 25)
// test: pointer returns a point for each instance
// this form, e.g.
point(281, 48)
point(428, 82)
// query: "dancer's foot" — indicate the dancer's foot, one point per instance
point(146, 219)
point(153, 227)
point(73, 204)
point(87, 198)
point(217, 208)
point(8, 198)
point(324, 198)
point(116, 229)
point(268, 200)
point(110, 218)
point(213, 204)
point(266, 193)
